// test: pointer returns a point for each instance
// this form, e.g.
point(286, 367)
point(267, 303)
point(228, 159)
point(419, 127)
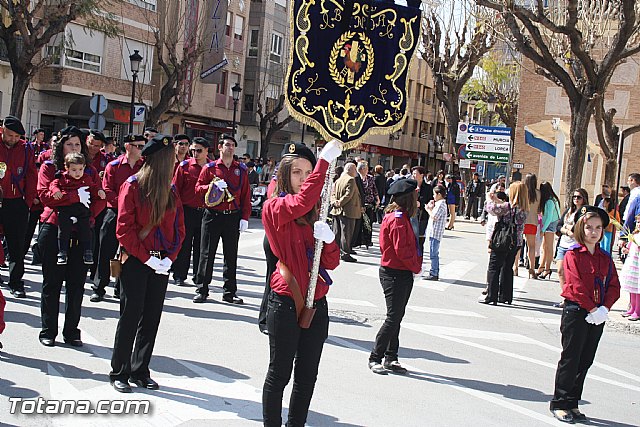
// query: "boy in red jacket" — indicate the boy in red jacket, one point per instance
point(71, 181)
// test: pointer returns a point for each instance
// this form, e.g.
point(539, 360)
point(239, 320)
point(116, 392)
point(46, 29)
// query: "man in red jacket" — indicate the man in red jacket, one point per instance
point(18, 185)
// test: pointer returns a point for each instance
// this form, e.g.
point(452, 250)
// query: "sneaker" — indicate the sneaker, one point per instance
point(395, 367)
point(95, 297)
point(88, 257)
point(377, 368)
point(62, 258)
point(431, 277)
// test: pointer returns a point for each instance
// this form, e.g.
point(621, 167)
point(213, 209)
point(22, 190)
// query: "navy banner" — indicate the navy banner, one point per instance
point(347, 74)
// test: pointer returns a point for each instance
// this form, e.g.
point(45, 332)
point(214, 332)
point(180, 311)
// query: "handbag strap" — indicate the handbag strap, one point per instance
point(294, 287)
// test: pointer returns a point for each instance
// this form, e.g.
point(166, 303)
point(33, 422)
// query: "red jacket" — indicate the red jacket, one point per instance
point(398, 243)
point(101, 160)
point(581, 269)
point(65, 184)
point(134, 215)
point(115, 174)
point(21, 177)
point(46, 175)
point(44, 156)
point(238, 184)
point(291, 242)
point(185, 179)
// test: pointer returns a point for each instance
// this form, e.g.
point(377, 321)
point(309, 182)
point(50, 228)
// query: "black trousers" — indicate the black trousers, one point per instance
point(356, 240)
point(82, 214)
point(216, 225)
point(73, 274)
point(343, 229)
point(579, 344)
point(96, 242)
point(500, 275)
point(34, 218)
point(14, 216)
point(193, 232)
point(141, 301)
point(108, 249)
point(287, 341)
point(397, 286)
point(271, 267)
point(472, 207)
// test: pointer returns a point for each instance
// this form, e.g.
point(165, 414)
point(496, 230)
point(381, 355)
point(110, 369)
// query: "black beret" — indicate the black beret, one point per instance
point(72, 131)
point(38, 130)
point(97, 135)
point(181, 136)
point(586, 209)
point(403, 186)
point(151, 130)
point(109, 140)
point(251, 165)
point(202, 141)
point(14, 124)
point(299, 150)
point(156, 144)
point(226, 136)
point(133, 138)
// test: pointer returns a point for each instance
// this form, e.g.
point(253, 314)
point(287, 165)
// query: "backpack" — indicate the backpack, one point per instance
point(505, 235)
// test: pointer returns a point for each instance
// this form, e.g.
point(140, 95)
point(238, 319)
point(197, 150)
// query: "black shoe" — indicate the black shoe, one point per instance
point(348, 258)
point(121, 386)
point(62, 258)
point(578, 416)
point(96, 297)
point(18, 293)
point(77, 342)
point(563, 415)
point(352, 252)
point(468, 218)
point(486, 300)
point(200, 298)
point(505, 301)
point(377, 368)
point(265, 331)
point(430, 277)
point(88, 257)
point(232, 299)
point(47, 342)
point(147, 383)
point(179, 282)
point(395, 367)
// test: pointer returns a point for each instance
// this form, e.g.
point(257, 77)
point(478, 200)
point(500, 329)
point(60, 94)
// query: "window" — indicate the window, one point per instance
point(227, 31)
point(82, 60)
point(254, 42)
point(276, 47)
point(222, 86)
point(55, 53)
point(238, 27)
point(145, 4)
point(248, 103)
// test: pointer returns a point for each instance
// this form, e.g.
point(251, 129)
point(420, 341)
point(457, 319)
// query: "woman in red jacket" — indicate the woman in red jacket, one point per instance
point(291, 224)
point(150, 229)
point(74, 273)
point(401, 259)
point(590, 288)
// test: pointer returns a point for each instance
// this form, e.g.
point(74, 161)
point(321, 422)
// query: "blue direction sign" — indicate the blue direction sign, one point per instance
point(489, 130)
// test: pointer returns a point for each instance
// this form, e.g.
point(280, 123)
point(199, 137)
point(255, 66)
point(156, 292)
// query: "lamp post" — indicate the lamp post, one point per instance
point(236, 89)
point(135, 59)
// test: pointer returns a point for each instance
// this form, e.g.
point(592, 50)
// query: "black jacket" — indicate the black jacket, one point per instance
point(478, 191)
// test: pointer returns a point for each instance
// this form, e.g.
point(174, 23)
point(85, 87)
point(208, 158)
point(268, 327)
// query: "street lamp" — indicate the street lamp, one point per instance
point(135, 59)
point(236, 89)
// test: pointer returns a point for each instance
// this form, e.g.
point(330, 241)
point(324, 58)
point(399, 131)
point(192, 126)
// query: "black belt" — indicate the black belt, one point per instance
point(158, 254)
point(224, 212)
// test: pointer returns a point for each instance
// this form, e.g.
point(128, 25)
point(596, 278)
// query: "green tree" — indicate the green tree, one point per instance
point(30, 26)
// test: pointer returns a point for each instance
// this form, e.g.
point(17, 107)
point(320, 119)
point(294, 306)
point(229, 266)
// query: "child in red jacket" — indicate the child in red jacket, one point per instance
point(69, 183)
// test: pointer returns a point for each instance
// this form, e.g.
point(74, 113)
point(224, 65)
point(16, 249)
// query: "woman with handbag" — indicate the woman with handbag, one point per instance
point(150, 229)
point(74, 273)
point(500, 271)
point(290, 219)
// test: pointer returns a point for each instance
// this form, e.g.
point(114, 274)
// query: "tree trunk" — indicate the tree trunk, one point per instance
point(580, 118)
point(264, 147)
point(610, 171)
point(452, 115)
point(21, 80)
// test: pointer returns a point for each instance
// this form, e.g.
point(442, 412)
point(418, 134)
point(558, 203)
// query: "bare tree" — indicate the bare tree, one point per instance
point(269, 121)
point(180, 41)
point(576, 44)
point(31, 25)
point(456, 36)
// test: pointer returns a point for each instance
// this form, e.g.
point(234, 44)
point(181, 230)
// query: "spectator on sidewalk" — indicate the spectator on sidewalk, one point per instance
point(474, 190)
point(347, 208)
point(437, 210)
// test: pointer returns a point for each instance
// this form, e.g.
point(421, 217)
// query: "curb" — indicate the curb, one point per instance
point(620, 324)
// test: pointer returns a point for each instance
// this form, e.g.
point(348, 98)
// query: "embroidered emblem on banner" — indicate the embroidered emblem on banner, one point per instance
point(347, 75)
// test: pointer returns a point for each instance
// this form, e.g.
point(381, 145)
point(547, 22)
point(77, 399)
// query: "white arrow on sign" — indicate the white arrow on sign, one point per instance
point(489, 139)
point(489, 148)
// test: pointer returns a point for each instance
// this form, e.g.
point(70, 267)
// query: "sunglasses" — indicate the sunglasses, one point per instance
point(197, 150)
point(577, 197)
point(182, 143)
point(138, 146)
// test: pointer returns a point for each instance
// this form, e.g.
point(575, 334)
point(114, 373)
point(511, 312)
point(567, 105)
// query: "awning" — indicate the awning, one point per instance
point(539, 143)
point(542, 137)
point(215, 126)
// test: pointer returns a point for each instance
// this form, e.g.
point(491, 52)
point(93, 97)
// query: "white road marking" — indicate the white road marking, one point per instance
point(369, 272)
point(446, 311)
point(449, 274)
point(360, 303)
point(542, 320)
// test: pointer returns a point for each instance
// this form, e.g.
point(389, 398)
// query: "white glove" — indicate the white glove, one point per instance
point(420, 273)
point(84, 196)
point(322, 231)
point(600, 315)
point(73, 219)
point(222, 184)
point(589, 319)
point(165, 265)
point(154, 263)
point(331, 150)
point(244, 225)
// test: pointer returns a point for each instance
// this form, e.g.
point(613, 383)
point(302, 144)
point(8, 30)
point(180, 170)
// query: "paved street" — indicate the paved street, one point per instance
point(470, 364)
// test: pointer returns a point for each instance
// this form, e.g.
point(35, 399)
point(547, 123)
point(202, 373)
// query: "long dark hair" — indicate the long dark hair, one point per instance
point(585, 199)
point(405, 203)
point(531, 181)
point(284, 186)
point(547, 193)
point(57, 154)
point(154, 178)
